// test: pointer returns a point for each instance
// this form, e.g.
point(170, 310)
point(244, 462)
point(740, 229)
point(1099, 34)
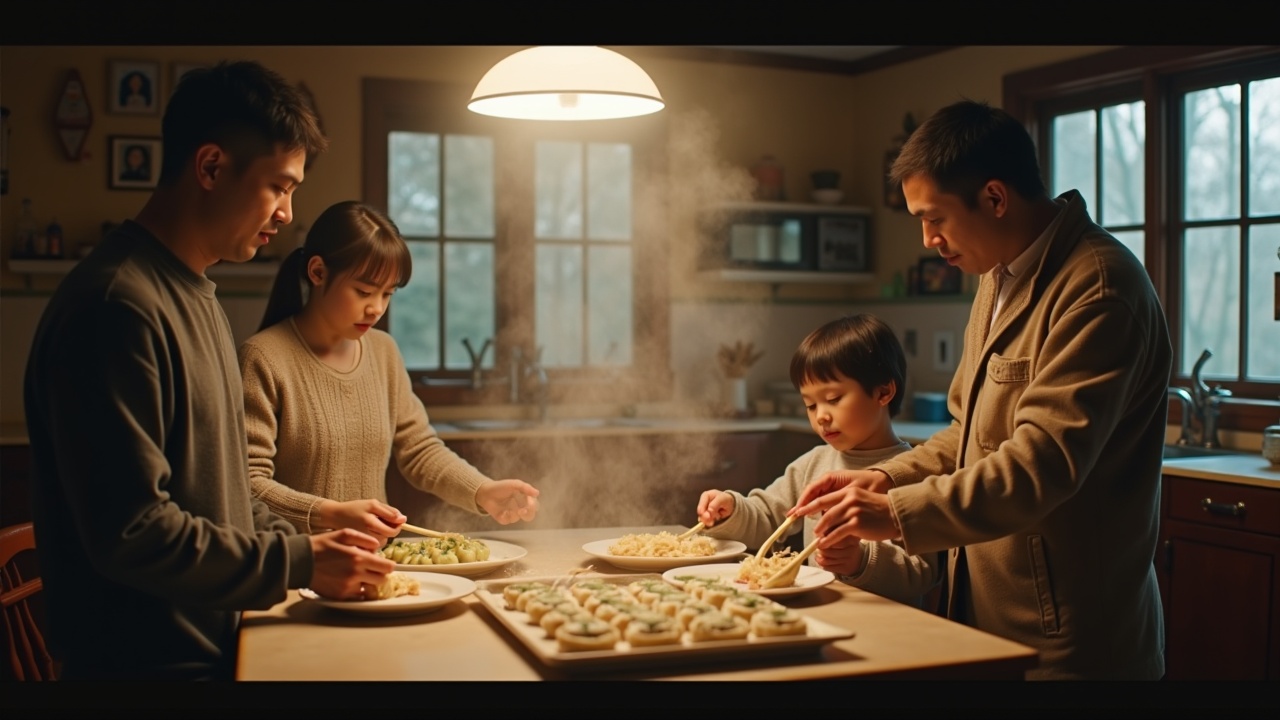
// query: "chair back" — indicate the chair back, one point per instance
point(29, 658)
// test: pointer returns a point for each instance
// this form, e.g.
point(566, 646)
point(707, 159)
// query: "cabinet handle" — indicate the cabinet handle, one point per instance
point(1208, 505)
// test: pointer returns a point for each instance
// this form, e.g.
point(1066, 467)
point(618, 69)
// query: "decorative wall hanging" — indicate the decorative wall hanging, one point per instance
point(135, 162)
point(72, 118)
point(893, 198)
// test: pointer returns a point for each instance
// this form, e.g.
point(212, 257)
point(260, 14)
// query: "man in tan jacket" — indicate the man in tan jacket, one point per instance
point(1046, 485)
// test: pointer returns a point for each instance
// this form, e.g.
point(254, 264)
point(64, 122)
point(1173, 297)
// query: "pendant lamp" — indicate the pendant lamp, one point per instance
point(565, 83)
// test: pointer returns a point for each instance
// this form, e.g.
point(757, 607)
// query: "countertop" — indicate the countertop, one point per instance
point(299, 640)
point(1239, 469)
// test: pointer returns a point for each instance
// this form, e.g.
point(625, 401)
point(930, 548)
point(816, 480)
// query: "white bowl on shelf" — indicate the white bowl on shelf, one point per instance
point(827, 196)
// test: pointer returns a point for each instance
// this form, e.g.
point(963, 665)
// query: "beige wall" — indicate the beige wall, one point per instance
point(721, 118)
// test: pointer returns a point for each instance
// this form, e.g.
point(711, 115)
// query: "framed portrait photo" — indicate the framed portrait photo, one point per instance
point(135, 162)
point(937, 277)
point(133, 87)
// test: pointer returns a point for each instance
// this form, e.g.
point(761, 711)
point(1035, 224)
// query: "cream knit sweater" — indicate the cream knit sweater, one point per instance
point(316, 433)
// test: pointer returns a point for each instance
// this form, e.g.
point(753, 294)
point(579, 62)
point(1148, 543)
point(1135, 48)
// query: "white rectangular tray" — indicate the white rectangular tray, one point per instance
point(489, 593)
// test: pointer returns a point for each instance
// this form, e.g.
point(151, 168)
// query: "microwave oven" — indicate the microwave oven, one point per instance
point(787, 236)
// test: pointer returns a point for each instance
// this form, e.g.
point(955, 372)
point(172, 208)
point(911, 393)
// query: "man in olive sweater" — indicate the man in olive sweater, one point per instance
point(150, 543)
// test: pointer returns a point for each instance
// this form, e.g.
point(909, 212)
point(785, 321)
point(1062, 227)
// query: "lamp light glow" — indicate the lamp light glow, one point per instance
point(565, 83)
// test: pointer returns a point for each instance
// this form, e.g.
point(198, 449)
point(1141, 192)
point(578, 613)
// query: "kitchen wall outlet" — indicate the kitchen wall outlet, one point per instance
point(944, 351)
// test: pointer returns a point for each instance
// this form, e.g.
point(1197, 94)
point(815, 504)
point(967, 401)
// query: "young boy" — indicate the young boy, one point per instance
point(850, 374)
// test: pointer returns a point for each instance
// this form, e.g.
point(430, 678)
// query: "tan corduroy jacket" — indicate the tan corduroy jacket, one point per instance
point(1048, 481)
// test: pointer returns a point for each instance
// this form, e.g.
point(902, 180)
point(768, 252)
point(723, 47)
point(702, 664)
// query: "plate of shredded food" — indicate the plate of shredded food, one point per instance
point(403, 593)
point(452, 555)
point(660, 551)
point(749, 574)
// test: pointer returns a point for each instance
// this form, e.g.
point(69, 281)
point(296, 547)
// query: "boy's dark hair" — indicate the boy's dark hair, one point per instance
point(964, 145)
point(244, 108)
point(860, 347)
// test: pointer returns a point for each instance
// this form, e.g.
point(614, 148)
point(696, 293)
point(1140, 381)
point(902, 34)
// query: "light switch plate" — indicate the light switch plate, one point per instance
point(944, 351)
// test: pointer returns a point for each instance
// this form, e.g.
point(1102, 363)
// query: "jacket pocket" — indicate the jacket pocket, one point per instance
point(1044, 586)
point(1002, 388)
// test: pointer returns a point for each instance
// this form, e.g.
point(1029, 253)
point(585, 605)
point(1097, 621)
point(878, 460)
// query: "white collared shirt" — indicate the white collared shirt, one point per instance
point(1006, 276)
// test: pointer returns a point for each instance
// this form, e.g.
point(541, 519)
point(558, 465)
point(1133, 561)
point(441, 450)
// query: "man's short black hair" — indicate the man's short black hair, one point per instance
point(967, 144)
point(243, 107)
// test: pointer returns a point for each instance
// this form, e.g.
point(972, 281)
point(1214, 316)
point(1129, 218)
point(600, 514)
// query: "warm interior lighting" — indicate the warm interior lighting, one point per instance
point(565, 83)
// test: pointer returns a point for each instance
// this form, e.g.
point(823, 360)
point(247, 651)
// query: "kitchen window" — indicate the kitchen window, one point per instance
point(1177, 153)
point(534, 235)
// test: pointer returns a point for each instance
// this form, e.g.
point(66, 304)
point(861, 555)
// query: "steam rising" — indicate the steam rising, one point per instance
point(648, 477)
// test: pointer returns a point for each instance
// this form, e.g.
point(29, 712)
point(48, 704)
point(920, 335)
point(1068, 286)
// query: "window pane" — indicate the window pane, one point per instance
point(609, 192)
point(1211, 176)
point(1075, 155)
point(1211, 300)
point(1123, 134)
point(558, 304)
point(1264, 147)
point(558, 191)
point(1132, 239)
point(413, 177)
point(414, 315)
point(1264, 332)
point(609, 305)
point(468, 187)
point(468, 301)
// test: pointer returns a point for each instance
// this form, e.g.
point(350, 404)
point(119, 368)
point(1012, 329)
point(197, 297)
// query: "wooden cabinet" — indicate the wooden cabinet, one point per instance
point(1218, 563)
point(601, 480)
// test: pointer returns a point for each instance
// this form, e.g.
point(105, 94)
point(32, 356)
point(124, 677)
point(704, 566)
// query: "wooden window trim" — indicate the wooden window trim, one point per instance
point(390, 104)
point(1027, 93)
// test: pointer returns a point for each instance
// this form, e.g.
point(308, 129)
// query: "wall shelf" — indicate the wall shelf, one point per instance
point(258, 268)
point(775, 277)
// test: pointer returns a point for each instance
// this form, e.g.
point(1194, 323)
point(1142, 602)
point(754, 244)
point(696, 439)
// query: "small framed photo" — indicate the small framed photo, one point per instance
point(937, 277)
point(178, 70)
point(135, 162)
point(133, 87)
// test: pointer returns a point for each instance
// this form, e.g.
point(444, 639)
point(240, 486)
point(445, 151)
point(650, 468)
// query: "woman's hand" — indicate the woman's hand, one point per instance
point(508, 500)
point(372, 517)
point(714, 506)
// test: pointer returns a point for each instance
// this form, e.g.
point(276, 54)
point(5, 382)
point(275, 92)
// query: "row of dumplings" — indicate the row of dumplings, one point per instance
point(598, 615)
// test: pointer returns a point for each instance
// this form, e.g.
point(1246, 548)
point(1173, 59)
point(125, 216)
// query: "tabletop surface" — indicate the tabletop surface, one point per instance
point(301, 640)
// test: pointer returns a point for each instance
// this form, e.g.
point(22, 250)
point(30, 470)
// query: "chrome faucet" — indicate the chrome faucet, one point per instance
point(530, 368)
point(477, 361)
point(1206, 403)
point(1188, 405)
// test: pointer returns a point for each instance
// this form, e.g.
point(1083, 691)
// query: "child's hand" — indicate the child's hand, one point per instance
point(508, 500)
point(714, 506)
point(843, 558)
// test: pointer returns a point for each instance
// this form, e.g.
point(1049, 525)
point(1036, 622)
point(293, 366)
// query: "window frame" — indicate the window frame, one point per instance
point(1162, 73)
point(437, 107)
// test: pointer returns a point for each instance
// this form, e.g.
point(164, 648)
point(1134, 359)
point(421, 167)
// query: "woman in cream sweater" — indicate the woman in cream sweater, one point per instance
point(328, 402)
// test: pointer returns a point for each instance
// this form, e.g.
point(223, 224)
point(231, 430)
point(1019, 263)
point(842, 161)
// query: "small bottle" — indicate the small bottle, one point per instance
point(54, 235)
point(24, 241)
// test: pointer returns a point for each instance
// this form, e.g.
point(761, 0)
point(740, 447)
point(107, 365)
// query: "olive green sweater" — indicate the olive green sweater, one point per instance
point(149, 540)
point(316, 433)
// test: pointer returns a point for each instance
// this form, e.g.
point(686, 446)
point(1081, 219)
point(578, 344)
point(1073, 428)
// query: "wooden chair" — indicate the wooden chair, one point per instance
point(27, 653)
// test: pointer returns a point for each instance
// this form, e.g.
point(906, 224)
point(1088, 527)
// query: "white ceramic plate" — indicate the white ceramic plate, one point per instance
point(500, 555)
point(434, 591)
point(725, 550)
point(809, 578)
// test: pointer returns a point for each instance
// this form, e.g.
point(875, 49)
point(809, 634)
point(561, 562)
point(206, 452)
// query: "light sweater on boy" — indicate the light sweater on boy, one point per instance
point(887, 569)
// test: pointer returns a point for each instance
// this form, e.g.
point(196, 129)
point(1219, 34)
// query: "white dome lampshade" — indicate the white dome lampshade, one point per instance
point(565, 83)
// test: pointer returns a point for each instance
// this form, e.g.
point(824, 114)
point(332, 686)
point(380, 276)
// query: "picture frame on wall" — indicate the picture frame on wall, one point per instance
point(133, 87)
point(937, 277)
point(178, 69)
point(135, 162)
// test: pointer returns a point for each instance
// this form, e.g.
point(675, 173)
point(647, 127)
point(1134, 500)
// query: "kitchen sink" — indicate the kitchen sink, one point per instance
point(567, 423)
point(1190, 451)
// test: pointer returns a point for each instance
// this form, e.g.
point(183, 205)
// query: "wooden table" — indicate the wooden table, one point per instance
point(298, 640)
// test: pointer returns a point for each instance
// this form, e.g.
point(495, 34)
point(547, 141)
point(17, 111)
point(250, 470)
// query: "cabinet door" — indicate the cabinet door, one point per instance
point(1220, 589)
